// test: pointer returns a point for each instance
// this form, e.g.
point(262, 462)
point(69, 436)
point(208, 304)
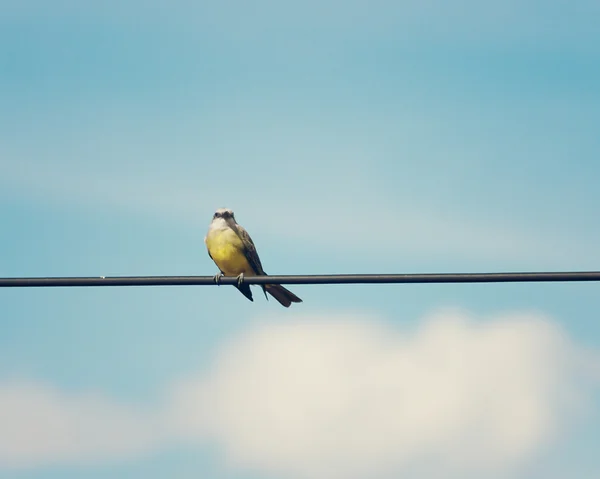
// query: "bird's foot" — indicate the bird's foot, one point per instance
point(217, 278)
point(240, 279)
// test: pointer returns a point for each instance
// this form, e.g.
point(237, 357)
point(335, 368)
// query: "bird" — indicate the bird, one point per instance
point(229, 245)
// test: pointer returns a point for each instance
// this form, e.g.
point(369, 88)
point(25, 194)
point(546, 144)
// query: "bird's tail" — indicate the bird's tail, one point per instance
point(281, 294)
point(245, 290)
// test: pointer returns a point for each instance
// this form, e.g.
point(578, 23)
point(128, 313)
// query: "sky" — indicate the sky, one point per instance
point(348, 137)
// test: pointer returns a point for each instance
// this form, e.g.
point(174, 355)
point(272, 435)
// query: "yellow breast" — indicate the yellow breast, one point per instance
point(227, 251)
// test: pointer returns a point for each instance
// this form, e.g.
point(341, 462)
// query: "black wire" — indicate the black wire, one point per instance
point(303, 279)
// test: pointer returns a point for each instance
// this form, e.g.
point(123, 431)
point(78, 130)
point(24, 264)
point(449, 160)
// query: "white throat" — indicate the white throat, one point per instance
point(219, 224)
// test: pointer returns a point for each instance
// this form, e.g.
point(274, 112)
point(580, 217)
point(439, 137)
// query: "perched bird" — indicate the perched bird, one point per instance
point(231, 248)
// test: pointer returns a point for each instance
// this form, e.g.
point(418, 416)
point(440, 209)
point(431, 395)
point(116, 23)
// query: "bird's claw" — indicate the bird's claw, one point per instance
point(217, 278)
point(240, 279)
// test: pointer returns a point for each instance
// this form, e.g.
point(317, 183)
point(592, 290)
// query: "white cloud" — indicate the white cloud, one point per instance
point(455, 20)
point(42, 425)
point(420, 229)
point(333, 396)
point(326, 398)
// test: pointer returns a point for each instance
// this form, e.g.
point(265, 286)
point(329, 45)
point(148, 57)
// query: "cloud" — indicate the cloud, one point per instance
point(420, 229)
point(42, 425)
point(458, 19)
point(333, 396)
point(327, 398)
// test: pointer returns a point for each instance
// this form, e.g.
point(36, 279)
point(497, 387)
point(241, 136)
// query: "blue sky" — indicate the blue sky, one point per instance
point(347, 137)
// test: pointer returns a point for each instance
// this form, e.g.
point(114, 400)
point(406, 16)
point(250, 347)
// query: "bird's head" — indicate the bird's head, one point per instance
point(224, 214)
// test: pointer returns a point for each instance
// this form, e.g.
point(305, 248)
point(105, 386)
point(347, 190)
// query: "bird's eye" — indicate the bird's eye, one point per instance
point(215, 215)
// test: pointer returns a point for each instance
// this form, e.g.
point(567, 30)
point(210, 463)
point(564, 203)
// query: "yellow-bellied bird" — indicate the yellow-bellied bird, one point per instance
point(231, 248)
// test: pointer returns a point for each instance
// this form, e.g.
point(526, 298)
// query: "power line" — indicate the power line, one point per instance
point(303, 279)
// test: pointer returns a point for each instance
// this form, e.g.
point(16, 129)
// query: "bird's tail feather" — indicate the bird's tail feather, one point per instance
point(281, 294)
point(245, 290)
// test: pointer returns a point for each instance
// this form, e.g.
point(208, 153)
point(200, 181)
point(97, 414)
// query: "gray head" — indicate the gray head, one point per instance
point(225, 214)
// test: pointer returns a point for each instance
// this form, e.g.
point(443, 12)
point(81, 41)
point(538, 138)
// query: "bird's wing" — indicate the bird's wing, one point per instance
point(208, 250)
point(250, 250)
